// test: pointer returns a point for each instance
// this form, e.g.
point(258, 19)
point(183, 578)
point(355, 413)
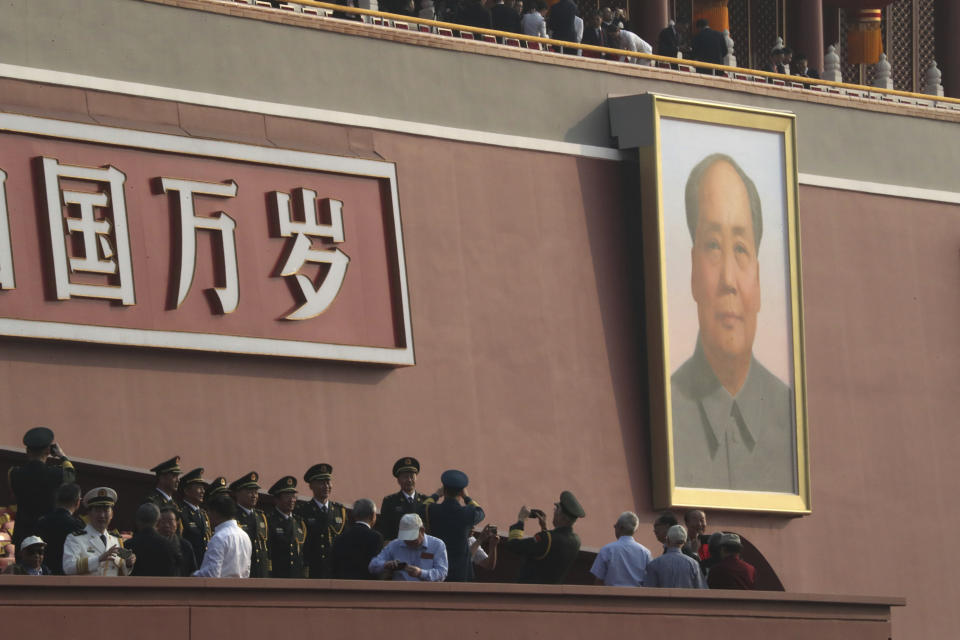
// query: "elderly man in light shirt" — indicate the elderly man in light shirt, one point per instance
point(622, 563)
point(413, 556)
point(228, 552)
point(629, 41)
point(674, 569)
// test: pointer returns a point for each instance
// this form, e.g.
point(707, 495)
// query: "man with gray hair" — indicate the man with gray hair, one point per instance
point(156, 555)
point(354, 549)
point(622, 563)
point(732, 418)
point(673, 569)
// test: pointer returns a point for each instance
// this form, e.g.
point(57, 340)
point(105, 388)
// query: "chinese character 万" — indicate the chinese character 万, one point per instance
point(104, 244)
point(316, 299)
point(191, 223)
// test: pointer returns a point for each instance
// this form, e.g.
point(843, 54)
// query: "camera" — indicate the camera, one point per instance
point(400, 566)
point(537, 513)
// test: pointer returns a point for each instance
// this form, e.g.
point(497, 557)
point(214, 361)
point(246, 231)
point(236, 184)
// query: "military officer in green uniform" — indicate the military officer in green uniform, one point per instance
point(286, 531)
point(216, 487)
point(167, 474)
point(549, 554)
point(253, 521)
point(35, 484)
point(407, 500)
point(325, 520)
point(196, 522)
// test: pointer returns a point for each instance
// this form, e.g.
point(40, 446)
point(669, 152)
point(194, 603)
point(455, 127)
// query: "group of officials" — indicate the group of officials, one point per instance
point(188, 526)
point(216, 530)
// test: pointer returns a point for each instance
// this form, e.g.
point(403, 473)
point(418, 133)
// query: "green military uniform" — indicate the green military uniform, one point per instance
point(157, 497)
point(196, 523)
point(397, 505)
point(324, 523)
point(285, 535)
point(35, 484)
point(217, 487)
point(254, 524)
point(549, 554)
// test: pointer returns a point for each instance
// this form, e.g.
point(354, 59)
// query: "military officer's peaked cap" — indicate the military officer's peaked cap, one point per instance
point(570, 505)
point(249, 481)
point(285, 484)
point(38, 438)
point(217, 486)
point(170, 466)
point(454, 479)
point(100, 496)
point(322, 471)
point(406, 464)
point(192, 476)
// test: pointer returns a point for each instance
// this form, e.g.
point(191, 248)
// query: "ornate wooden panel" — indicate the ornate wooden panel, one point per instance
point(764, 29)
point(740, 29)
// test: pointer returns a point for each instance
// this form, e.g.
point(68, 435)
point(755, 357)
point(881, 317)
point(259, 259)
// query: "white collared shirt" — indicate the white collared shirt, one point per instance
point(228, 553)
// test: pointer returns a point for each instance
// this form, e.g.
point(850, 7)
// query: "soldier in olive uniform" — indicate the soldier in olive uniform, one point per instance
point(405, 501)
point(253, 521)
point(196, 522)
point(325, 520)
point(286, 531)
point(35, 483)
point(549, 554)
point(167, 474)
point(216, 487)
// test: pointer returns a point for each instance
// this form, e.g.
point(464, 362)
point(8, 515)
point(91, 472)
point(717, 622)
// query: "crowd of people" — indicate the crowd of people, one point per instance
point(187, 526)
point(608, 27)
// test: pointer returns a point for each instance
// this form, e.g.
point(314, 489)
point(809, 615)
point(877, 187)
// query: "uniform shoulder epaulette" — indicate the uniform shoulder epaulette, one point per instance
point(79, 532)
point(114, 532)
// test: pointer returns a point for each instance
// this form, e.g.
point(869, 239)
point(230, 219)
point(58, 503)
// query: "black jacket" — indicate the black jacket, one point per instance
point(353, 551)
point(54, 529)
point(156, 555)
point(560, 20)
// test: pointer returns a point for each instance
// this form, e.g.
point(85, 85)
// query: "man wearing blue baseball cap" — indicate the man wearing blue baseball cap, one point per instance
point(452, 521)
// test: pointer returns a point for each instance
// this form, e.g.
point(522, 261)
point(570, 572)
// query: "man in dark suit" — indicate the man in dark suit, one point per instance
point(407, 500)
point(708, 45)
point(560, 23)
point(353, 551)
point(287, 531)
point(156, 555)
point(504, 17)
point(35, 483)
point(60, 523)
point(167, 527)
point(668, 42)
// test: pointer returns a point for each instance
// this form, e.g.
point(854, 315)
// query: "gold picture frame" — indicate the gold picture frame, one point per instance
point(726, 363)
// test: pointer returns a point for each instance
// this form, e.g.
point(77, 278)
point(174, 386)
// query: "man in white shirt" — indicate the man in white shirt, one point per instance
point(228, 552)
point(622, 563)
point(629, 41)
point(94, 551)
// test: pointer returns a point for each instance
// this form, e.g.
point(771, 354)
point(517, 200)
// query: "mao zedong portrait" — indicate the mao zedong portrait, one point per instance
point(732, 418)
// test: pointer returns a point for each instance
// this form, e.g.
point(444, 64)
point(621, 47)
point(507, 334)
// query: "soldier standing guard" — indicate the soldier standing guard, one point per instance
point(35, 484)
point(287, 531)
point(196, 522)
point(217, 487)
point(253, 521)
point(167, 474)
point(405, 501)
point(325, 520)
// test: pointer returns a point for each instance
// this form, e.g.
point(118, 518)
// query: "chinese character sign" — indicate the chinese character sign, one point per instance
point(239, 248)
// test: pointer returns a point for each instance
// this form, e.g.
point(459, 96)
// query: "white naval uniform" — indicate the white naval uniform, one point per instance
point(82, 551)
